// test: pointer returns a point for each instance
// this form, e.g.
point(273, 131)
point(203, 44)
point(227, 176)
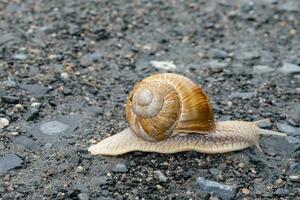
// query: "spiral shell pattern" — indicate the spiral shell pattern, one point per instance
point(166, 104)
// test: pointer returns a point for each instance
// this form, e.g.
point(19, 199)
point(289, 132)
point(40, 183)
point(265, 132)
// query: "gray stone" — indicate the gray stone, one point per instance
point(215, 171)
point(282, 192)
point(217, 53)
point(247, 54)
point(67, 91)
point(10, 99)
point(26, 142)
point(216, 66)
point(93, 110)
point(47, 29)
point(222, 191)
point(102, 180)
point(119, 168)
point(289, 68)
point(295, 142)
point(261, 69)
point(83, 196)
point(90, 58)
point(35, 89)
point(9, 162)
point(57, 127)
point(290, 130)
point(9, 83)
point(240, 69)
point(20, 56)
point(264, 123)
point(242, 95)
point(53, 128)
point(160, 176)
point(31, 114)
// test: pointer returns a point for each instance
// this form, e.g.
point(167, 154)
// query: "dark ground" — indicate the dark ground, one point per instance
point(66, 68)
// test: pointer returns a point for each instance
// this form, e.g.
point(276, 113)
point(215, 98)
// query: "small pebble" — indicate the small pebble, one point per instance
point(282, 192)
point(217, 53)
point(159, 187)
point(90, 58)
point(15, 133)
point(294, 178)
point(19, 107)
point(220, 190)
point(4, 122)
point(260, 69)
point(35, 105)
point(160, 176)
point(83, 196)
point(80, 169)
point(67, 91)
point(241, 165)
point(93, 141)
point(9, 83)
point(20, 56)
point(245, 191)
point(10, 99)
point(289, 68)
point(31, 114)
point(242, 95)
point(119, 168)
point(64, 75)
point(166, 65)
point(214, 171)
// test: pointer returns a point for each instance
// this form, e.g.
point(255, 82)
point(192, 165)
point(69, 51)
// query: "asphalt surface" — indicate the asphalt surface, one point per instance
point(66, 68)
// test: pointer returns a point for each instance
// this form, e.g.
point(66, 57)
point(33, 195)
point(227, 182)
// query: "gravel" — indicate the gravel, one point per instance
point(119, 168)
point(76, 61)
point(160, 176)
point(222, 191)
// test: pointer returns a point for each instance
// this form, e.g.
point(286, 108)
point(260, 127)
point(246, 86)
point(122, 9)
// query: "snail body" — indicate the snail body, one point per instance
point(169, 113)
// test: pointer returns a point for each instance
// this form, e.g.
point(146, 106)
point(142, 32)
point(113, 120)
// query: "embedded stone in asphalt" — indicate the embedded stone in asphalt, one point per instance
point(9, 162)
point(53, 128)
point(220, 190)
point(57, 127)
point(35, 89)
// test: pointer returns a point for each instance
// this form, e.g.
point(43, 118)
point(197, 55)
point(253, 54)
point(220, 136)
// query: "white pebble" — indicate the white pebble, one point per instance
point(35, 105)
point(64, 75)
point(166, 65)
point(3, 122)
point(19, 107)
point(15, 133)
point(80, 169)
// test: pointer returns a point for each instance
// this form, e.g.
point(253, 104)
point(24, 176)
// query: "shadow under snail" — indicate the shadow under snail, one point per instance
point(169, 113)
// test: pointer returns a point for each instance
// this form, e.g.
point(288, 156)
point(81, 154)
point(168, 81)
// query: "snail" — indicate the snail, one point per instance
point(169, 113)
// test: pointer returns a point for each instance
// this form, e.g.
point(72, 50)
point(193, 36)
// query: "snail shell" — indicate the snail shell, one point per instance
point(169, 113)
point(164, 105)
